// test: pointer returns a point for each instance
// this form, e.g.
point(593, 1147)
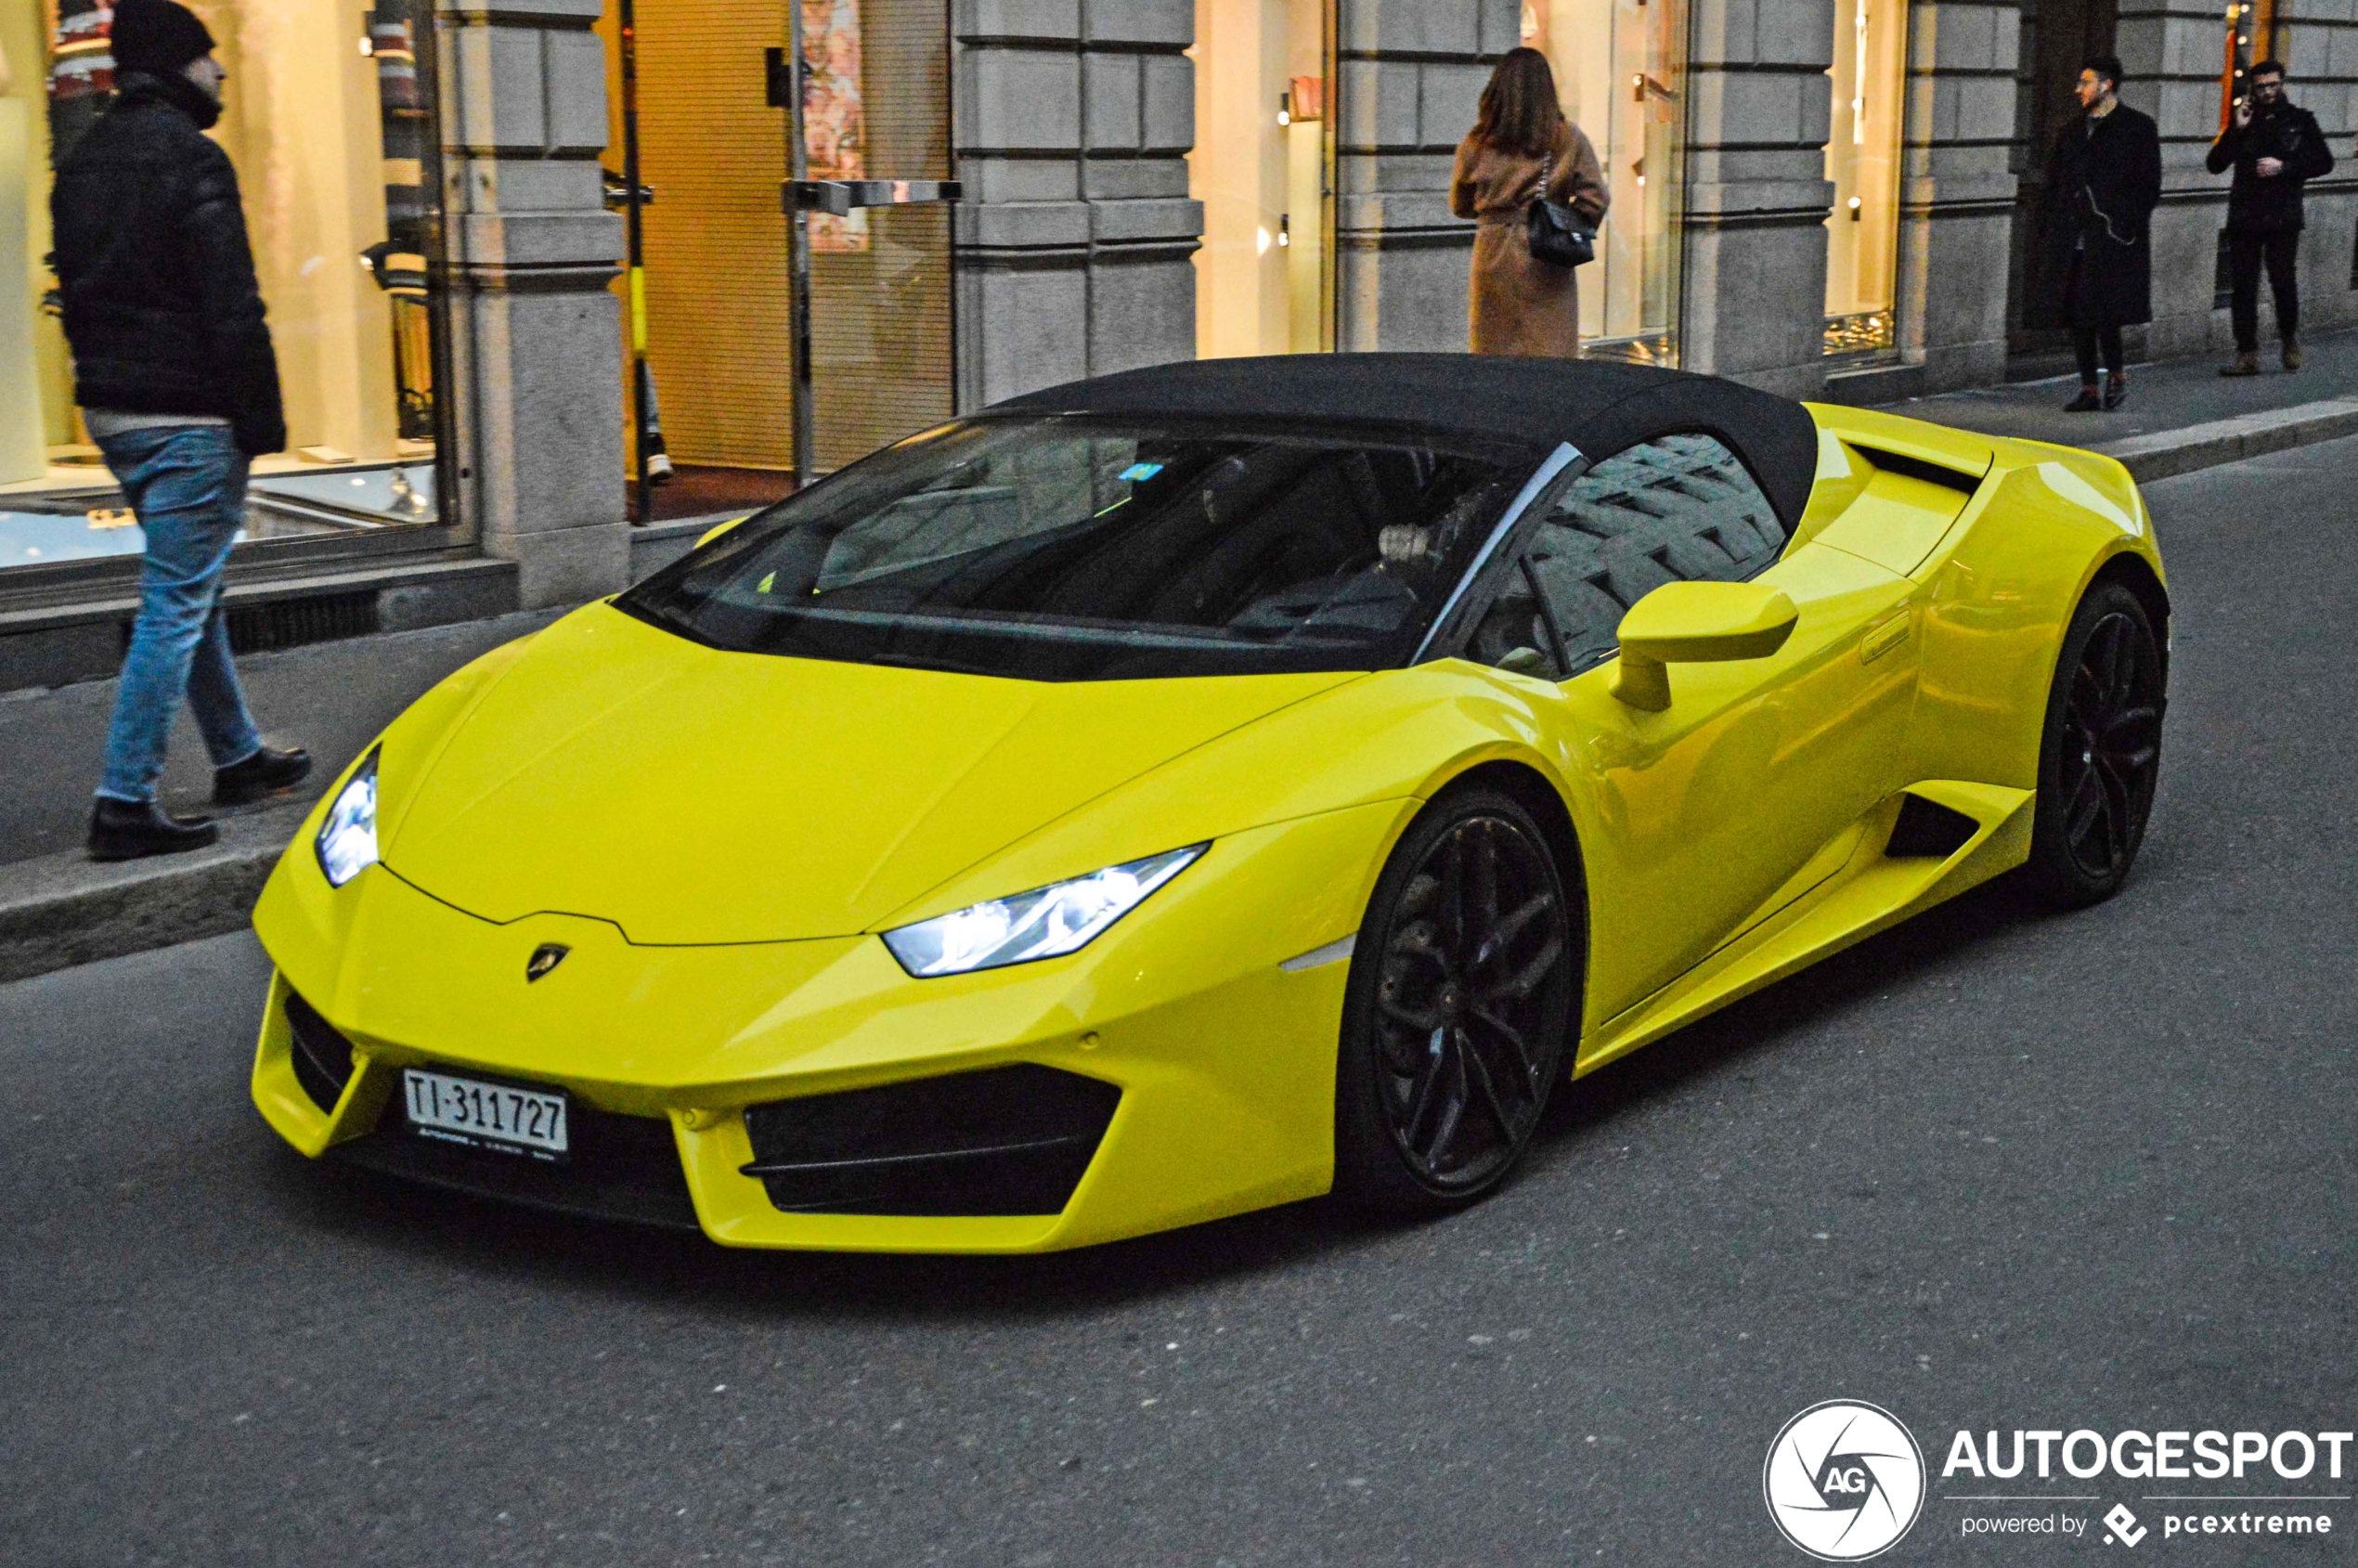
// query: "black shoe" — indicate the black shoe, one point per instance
point(2086, 403)
point(265, 773)
point(130, 830)
point(2116, 391)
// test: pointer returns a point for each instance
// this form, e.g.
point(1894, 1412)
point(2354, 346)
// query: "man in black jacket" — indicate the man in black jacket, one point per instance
point(2275, 149)
point(179, 388)
point(2095, 263)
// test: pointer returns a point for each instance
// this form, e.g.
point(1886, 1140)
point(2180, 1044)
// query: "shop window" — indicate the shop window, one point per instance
point(1862, 160)
point(1259, 167)
point(1619, 66)
point(329, 118)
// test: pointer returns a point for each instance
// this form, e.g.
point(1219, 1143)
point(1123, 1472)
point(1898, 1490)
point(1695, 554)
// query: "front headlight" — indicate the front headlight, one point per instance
point(1045, 922)
point(347, 840)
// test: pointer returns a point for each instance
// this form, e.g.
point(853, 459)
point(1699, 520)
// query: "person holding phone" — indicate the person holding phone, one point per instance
point(2274, 148)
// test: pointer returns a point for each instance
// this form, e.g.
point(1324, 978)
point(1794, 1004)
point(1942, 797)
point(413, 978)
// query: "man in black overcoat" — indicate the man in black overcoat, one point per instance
point(2275, 149)
point(2096, 272)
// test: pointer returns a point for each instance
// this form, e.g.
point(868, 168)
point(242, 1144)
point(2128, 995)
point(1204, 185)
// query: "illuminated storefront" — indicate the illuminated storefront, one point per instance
point(1259, 167)
point(1620, 66)
point(1862, 160)
point(328, 117)
point(1804, 196)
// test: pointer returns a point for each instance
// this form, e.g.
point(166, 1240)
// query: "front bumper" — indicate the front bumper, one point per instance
point(1223, 1061)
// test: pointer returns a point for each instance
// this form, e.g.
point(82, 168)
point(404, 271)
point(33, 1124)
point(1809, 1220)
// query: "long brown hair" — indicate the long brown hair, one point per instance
point(1519, 111)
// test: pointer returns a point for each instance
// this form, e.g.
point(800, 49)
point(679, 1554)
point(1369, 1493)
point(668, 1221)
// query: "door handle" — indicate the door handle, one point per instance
point(1883, 636)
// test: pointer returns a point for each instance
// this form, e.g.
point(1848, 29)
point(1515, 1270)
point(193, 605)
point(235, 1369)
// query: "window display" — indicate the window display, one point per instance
point(1619, 66)
point(1862, 160)
point(327, 119)
point(1263, 274)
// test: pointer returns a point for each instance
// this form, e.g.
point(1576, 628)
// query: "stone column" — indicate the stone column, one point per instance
point(1957, 190)
point(536, 351)
point(1409, 74)
point(1758, 196)
point(1071, 246)
point(2172, 56)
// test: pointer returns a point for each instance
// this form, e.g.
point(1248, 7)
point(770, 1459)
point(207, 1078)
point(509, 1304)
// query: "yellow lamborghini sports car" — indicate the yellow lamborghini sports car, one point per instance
point(1201, 788)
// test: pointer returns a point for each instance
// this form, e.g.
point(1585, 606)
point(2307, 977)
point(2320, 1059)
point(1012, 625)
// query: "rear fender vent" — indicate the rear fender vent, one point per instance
point(1917, 468)
point(1010, 1140)
point(322, 1056)
point(1927, 831)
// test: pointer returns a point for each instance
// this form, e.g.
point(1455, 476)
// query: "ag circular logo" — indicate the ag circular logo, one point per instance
point(1843, 1480)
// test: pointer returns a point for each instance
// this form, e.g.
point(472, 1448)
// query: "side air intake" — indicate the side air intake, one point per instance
point(1925, 831)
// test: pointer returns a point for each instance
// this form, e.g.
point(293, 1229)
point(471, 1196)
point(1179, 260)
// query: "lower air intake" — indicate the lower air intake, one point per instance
point(1009, 1140)
point(322, 1056)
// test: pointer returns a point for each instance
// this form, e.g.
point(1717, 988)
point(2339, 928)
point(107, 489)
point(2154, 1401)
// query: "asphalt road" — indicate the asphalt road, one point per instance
point(1996, 1170)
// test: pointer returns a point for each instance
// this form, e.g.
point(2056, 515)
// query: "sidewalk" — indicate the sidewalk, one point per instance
point(2182, 414)
point(57, 909)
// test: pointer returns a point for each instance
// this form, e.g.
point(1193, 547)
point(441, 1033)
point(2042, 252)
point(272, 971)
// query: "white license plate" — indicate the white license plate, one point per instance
point(479, 1115)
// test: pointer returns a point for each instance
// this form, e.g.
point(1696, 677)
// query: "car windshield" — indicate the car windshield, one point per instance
point(1072, 549)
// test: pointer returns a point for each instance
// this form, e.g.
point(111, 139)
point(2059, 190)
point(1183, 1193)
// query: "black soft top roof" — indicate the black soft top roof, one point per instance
point(1598, 406)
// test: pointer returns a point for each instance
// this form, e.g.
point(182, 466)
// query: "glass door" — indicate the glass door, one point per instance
point(713, 305)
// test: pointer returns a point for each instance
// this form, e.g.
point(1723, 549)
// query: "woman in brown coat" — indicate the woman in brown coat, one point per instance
point(1520, 138)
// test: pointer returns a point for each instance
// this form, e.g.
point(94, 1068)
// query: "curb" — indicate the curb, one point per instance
point(2167, 453)
point(62, 910)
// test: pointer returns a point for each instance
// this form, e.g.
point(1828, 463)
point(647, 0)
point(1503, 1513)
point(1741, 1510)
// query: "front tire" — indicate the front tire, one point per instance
point(2100, 757)
point(1459, 1008)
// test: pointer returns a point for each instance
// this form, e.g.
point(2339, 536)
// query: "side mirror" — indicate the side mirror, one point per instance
point(717, 530)
point(1696, 623)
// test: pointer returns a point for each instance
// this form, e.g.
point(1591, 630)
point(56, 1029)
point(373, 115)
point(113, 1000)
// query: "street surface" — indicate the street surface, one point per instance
point(1995, 1169)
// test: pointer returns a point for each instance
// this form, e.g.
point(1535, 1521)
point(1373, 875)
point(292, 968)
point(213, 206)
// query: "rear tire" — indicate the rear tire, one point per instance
point(2100, 755)
point(1459, 1008)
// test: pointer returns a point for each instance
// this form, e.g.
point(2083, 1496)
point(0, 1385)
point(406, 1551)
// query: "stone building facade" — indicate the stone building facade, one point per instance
point(1105, 224)
point(1074, 245)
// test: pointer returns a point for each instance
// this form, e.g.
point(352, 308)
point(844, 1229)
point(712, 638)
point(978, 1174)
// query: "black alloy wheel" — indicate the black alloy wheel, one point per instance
point(2100, 756)
point(1460, 1005)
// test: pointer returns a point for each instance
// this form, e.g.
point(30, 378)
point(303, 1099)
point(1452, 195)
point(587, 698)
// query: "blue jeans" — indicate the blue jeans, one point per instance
point(187, 485)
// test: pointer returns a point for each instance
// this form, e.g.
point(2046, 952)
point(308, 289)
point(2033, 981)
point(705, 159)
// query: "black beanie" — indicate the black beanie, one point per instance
point(157, 36)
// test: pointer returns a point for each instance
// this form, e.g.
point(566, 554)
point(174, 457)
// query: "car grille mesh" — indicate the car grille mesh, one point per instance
point(1010, 1140)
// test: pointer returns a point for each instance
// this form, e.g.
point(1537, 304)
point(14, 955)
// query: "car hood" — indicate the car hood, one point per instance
point(694, 796)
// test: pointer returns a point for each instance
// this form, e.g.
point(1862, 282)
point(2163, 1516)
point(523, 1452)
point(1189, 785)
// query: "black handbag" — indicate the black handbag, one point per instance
point(1556, 234)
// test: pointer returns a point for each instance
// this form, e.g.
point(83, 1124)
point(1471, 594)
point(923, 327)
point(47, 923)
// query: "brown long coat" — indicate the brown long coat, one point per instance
point(1519, 305)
